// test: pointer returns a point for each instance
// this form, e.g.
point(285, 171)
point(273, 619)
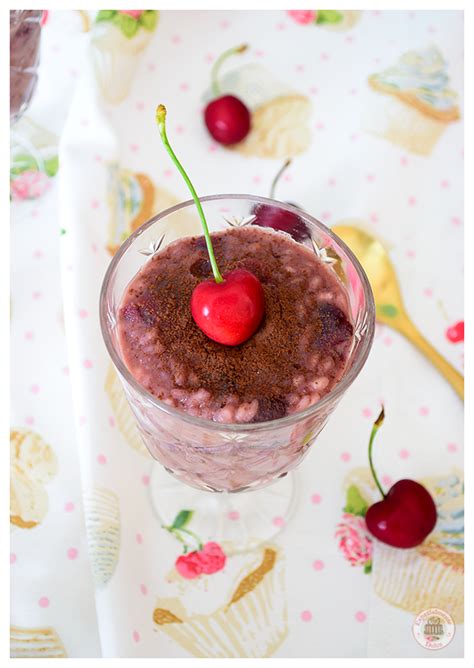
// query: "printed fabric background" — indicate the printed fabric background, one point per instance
point(369, 107)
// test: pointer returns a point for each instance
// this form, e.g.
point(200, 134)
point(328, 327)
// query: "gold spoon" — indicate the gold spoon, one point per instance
point(388, 300)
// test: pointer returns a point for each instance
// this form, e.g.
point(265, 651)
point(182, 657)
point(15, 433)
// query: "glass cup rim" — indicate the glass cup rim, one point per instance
point(287, 420)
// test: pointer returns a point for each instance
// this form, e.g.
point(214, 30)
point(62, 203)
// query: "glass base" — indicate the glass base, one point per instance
point(239, 522)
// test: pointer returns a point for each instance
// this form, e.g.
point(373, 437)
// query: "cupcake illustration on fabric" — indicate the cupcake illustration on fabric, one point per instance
point(33, 160)
point(430, 575)
point(133, 199)
point(102, 515)
point(334, 19)
point(35, 643)
point(412, 104)
point(234, 608)
point(118, 38)
point(32, 465)
point(280, 114)
point(122, 412)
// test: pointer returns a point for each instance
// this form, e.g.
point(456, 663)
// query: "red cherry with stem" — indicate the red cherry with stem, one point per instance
point(455, 333)
point(267, 215)
point(226, 117)
point(229, 312)
point(227, 309)
point(407, 513)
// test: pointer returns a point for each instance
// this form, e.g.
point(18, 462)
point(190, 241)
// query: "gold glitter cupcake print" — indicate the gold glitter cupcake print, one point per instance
point(252, 623)
point(413, 104)
point(35, 643)
point(32, 465)
point(432, 574)
point(133, 199)
point(280, 114)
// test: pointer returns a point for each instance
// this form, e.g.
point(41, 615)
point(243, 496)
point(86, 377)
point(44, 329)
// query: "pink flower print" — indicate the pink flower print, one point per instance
point(134, 13)
point(302, 16)
point(208, 560)
point(353, 540)
point(29, 185)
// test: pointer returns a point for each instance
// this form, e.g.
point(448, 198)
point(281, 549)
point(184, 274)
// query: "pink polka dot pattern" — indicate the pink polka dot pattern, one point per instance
point(12, 558)
point(346, 456)
point(360, 616)
point(316, 499)
point(452, 447)
point(69, 506)
point(318, 565)
point(412, 200)
point(111, 421)
point(83, 313)
point(387, 480)
point(278, 521)
point(43, 602)
point(144, 589)
point(72, 553)
point(367, 412)
point(139, 538)
point(34, 389)
point(136, 636)
point(233, 515)
point(424, 411)
point(404, 454)
point(145, 480)
point(101, 459)
point(306, 616)
point(29, 336)
point(29, 420)
point(87, 364)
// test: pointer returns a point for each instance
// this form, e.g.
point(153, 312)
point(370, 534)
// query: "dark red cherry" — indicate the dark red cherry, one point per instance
point(231, 311)
point(405, 517)
point(227, 119)
point(281, 220)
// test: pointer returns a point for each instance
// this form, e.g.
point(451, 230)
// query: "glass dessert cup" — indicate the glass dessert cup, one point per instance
point(248, 464)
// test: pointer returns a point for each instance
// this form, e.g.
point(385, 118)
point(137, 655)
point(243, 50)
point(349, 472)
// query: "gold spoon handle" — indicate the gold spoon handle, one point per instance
point(408, 329)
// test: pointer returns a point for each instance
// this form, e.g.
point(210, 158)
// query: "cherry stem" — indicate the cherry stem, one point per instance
point(378, 423)
point(282, 169)
point(177, 533)
point(216, 89)
point(161, 121)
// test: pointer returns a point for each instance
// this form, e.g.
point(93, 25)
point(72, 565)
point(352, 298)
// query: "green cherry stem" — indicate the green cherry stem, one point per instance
point(377, 424)
point(282, 169)
point(161, 121)
point(216, 89)
point(177, 533)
